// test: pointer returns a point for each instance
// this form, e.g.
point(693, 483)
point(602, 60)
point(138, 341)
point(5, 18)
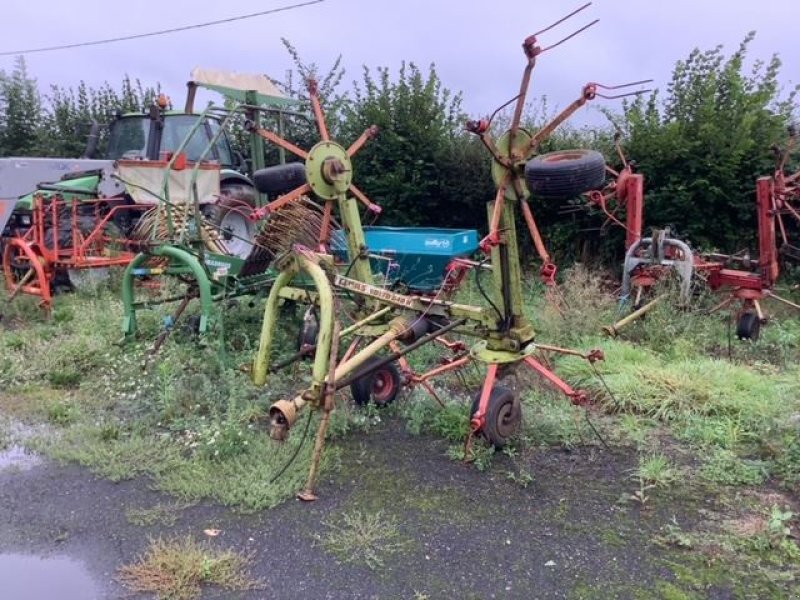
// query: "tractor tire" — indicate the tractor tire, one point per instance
point(230, 217)
point(748, 327)
point(503, 416)
point(565, 174)
point(280, 179)
point(381, 386)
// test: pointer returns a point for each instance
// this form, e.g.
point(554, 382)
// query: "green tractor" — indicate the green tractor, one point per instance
point(60, 217)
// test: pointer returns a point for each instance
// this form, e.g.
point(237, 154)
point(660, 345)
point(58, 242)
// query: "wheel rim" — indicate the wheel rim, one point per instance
point(508, 419)
point(88, 280)
point(237, 233)
point(382, 387)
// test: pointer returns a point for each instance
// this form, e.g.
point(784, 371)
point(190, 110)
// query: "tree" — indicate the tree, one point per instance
point(421, 168)
point(702, 148)
point(20, 111)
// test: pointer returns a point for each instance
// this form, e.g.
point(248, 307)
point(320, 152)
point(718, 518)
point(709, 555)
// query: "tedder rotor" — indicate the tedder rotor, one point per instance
point(745, 281)
point(358, 319)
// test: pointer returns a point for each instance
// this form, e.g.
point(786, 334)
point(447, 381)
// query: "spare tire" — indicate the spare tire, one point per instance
point(565, 174)
point(280, 179)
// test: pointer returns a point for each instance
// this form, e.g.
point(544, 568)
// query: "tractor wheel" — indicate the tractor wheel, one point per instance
point(503, 416)
point(565, 174)
point(230, 217)
point(280, 179)
point(381, 386)
point(748, 327)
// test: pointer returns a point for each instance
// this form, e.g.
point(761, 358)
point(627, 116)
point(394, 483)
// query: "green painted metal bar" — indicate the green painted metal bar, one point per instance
point(261, 363)
point(204, 286)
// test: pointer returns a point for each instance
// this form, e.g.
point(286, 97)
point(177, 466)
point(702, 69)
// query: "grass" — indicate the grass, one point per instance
point(656, 469)
point(367, 538)
point(162, 514)
point(177, 569)
point(693, 411)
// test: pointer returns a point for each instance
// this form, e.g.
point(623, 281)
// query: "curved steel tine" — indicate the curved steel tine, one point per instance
point(562, 19)
point(570, 36)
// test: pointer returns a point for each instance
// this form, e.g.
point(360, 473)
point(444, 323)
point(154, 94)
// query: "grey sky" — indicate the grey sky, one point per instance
point(475, 45)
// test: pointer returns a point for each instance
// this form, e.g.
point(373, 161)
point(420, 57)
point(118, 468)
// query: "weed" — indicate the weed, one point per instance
point(68, 378)
point(655, 469)
point(62, 413)
point(367, 538)
point(522, 477)
point(176, 569)
point(640, 494)
point(673, 535)
point(116, 459)
point(723, 466)
point(550, 420)
point(160, 514)
point(482, 454)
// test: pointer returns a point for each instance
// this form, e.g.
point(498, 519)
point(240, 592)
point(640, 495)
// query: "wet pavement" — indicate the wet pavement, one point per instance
point(470, 534)
point(17, 458)
point(27, 577)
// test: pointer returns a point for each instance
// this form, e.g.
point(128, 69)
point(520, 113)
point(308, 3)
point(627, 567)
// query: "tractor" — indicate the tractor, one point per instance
point(63, 217)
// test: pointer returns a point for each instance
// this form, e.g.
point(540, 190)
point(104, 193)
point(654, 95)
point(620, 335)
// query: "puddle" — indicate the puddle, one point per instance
point(27, 577)
point(17, 458)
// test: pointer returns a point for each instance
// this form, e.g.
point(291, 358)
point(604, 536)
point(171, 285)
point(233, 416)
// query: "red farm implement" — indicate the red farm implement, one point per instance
point(649, 259)
point(65, 236)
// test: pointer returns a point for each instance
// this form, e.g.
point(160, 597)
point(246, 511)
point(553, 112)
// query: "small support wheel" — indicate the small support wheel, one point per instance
point(748, 327)
point(503, 416)
point(308, 333)
point(381, 386)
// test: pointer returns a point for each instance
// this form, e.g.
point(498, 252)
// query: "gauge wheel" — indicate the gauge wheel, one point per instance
point(380, 386)
point(748, 327)
point(308, 333)
point(503, 416)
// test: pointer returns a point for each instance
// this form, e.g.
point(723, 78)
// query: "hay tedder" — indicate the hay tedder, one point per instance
point(359, 331)
point(746, 282)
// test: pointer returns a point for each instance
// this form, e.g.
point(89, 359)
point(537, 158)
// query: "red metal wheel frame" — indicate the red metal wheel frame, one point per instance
point(383, 386)
point(42, 286)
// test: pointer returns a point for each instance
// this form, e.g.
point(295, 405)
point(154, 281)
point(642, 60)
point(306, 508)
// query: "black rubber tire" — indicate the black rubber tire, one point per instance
point(239, 191)
point(280, 179)
point(565, 174)
point(381, 386)
point(503, 416)
point(748, 327)
point(307, 336)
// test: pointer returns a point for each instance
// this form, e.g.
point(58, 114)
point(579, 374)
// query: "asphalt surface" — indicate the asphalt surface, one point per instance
point(468, 534)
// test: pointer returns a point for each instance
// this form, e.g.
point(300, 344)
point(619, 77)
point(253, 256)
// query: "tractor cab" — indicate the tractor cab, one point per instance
point(150, 136)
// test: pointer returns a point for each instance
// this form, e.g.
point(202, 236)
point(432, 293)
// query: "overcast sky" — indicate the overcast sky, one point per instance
point(475, 45)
